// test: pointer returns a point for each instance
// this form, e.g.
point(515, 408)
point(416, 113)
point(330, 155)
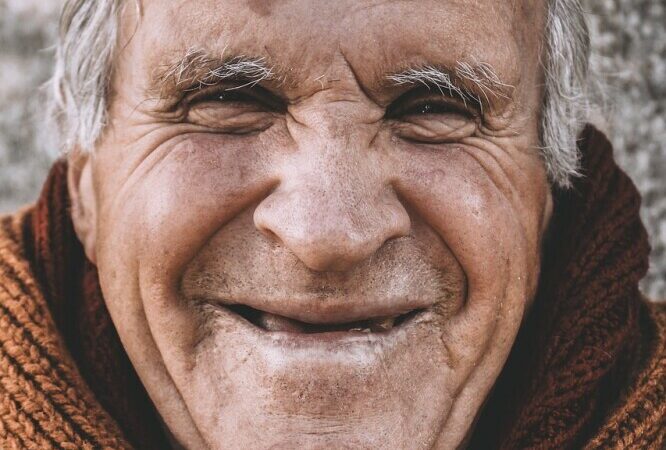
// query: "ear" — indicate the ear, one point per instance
point(82, 198)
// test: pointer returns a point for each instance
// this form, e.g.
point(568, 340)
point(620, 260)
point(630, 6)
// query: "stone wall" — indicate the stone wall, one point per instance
point(629, 39)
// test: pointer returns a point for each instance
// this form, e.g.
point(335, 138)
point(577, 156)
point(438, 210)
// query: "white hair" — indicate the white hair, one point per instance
point(89, 34)
point(83, 66)
point(252, 69)
point(566, 103)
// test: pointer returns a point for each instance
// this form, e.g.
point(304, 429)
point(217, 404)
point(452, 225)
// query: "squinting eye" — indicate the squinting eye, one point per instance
point(240, 111)
point(423, 102)
point(254, 96)
point(434, 108)
point(232, 96)
point(227, 96)
point(429, 107)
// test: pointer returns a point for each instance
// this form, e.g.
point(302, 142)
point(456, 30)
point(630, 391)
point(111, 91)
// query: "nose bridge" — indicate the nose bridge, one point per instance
point(332, 208)
point(334, 121)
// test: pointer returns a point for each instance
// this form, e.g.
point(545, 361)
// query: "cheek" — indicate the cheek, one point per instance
point(172, 203)
point(459, 201)
point(483, 217)
point(165, 211)
point(487, 225)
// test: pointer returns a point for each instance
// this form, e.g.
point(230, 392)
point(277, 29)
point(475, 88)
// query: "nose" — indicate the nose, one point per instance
point(332, 216)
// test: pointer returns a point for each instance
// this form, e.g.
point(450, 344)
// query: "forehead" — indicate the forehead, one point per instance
point(304, 36)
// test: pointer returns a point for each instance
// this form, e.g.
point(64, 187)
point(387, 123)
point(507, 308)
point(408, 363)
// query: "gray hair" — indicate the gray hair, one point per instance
point(89, 34)
point(83, 66)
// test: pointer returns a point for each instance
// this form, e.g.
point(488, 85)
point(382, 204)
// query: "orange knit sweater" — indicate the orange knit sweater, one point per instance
point(44, 401)
point(588, 369)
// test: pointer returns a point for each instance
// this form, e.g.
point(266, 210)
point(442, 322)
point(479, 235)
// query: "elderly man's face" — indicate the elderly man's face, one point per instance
point(318, 223)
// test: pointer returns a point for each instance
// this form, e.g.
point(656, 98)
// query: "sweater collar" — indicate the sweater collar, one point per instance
point(575, 351)
point(71, 288)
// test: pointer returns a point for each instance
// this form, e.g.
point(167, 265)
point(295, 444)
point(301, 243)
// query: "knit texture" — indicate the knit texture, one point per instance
point(588, 369)
point(75, 300)
point(44, 401)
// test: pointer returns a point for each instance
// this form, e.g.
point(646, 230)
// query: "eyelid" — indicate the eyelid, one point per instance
point(255, 93)
point(425, 95)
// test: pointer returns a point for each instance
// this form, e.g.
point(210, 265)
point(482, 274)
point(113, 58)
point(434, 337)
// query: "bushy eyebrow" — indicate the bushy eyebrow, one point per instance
point(197, 69)
point(474, 82)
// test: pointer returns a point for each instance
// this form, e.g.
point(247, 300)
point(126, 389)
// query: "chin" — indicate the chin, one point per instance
point(348, 388)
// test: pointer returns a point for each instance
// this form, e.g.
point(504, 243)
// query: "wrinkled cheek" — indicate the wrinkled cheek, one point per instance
point(197, 187)
point(160, 218)
point(479, 224)
point(165, 214)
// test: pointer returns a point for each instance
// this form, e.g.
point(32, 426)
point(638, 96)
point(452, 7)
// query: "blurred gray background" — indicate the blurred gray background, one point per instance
point(629, 38)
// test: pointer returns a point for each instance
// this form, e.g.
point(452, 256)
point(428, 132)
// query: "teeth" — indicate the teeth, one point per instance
point(273, 322)
point(382, 325)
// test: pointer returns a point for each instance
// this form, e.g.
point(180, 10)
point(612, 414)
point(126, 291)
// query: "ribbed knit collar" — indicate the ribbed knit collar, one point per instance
point(71, 288)
point(571, 358)
point(577, 349)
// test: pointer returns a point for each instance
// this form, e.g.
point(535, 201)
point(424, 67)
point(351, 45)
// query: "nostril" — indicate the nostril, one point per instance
point(331, 251)
point(270, 235)
point(268, 220)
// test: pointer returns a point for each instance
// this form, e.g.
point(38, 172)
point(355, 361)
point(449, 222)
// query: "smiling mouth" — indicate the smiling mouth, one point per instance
point(276, 323)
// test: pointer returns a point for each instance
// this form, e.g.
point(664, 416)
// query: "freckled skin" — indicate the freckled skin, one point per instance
point(327, 212)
